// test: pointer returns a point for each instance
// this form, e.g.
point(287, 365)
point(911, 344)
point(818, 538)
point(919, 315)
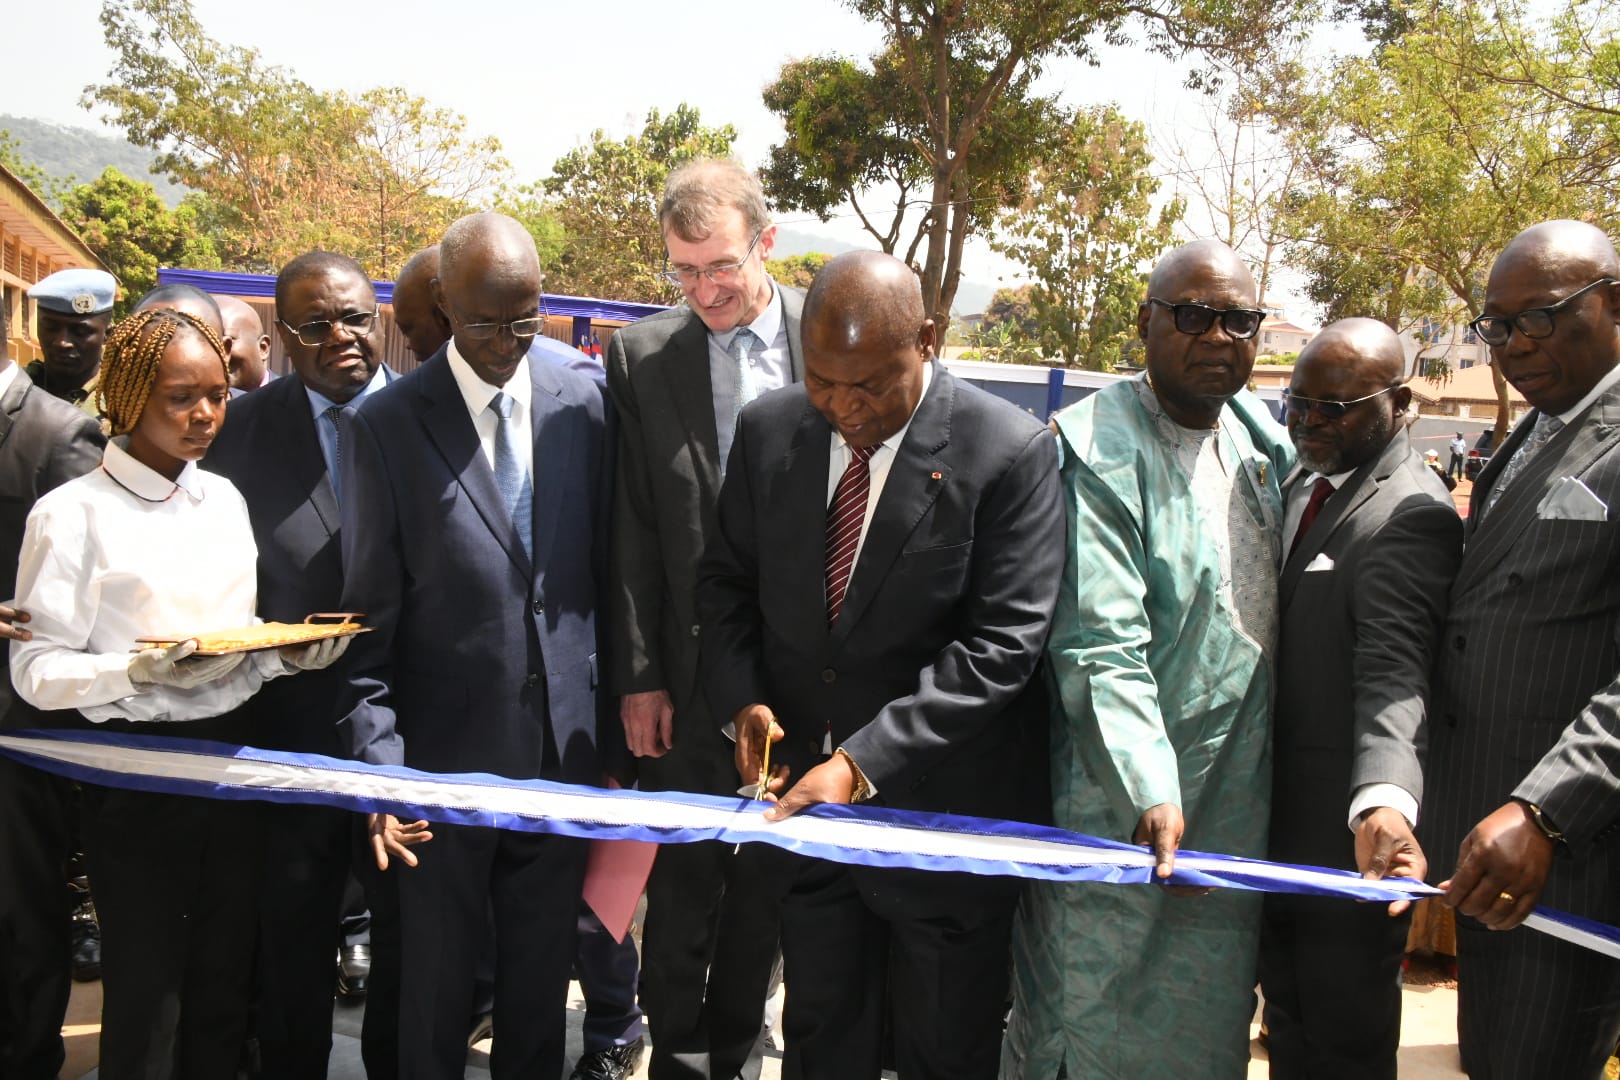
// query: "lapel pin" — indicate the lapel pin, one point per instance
point(938, 476)
point(1262, 474)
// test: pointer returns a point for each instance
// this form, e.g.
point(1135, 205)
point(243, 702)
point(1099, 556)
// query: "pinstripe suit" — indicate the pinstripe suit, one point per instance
point(1528, 706)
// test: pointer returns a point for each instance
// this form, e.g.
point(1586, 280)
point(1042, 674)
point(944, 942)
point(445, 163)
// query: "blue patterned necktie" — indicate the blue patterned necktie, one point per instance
point(743, 346)
point(510, 475)
point(1546, 427)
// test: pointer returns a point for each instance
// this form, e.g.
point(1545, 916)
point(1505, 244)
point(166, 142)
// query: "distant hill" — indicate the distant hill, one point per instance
point(82, 154)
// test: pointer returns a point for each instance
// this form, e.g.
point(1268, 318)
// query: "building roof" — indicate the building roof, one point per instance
point(24, 214)
point(1284, 326)
point(1470, 385)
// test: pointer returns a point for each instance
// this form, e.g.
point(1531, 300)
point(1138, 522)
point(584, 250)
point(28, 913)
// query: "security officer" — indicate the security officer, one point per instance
point(75, 310)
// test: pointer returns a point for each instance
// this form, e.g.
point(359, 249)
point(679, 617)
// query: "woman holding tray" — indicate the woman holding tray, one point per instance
point(149, 544)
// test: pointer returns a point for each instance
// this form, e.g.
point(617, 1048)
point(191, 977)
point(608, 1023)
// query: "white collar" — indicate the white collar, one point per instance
point(1337, 479)
point(893, 441)
point(1609, 379)
point(766, 325)
point(477, 393)
point(8, 375)
point(144, 482)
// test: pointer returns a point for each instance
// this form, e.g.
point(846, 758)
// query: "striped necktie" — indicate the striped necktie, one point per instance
point(844, 520)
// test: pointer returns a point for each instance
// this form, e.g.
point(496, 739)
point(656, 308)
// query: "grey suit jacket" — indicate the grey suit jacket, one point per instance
point(667, 482)
point(44, 443)
point(1528, 702)
point(1355, 649)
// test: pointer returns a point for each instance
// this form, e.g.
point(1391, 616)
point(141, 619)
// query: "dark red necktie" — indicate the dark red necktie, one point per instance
point(844, 519)
point(1319, 495)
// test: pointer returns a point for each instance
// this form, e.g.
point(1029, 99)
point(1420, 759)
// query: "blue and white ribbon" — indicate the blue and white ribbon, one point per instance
point(859, 835)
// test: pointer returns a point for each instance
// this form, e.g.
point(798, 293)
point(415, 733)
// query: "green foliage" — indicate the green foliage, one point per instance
point(1013, 308)
point(1423, 164)
point(528, 205)
point(286, 167)
point(1278, 359)
point(605, 197)
point(797, 270)
point(1002, 343)
point(126, 223)
point(947, 111)
point(1085, 233)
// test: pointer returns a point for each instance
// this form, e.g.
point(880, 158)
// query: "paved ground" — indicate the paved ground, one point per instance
point(1428, 1038)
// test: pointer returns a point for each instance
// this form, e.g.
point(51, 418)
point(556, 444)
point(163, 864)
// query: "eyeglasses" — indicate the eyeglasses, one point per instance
point(1532, 322)
point(528, 326)
point(1196, 319)
point(1299, 405)
point(319, 331)
point(686, 276)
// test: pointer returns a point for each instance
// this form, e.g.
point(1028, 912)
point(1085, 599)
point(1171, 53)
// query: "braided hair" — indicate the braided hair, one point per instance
point(130, 361)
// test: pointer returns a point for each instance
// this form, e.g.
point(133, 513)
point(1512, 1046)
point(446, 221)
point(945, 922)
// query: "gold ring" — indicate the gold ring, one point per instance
point(1505, 896)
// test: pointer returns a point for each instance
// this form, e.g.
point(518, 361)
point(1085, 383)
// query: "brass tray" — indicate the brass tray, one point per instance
point(270, 635)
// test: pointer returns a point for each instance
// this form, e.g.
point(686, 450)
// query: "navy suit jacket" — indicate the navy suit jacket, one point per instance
point(928, 678)
point(268, 448)
point(481, 657)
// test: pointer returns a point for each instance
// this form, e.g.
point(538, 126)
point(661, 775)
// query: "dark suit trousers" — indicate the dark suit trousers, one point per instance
point(36, 838)
point(607, 972)
point(176, 882)
point(1531, 1007)
point(308, 854)
point(533, 885)
point(1331, 973)
point(936, 947)
point(708, 947)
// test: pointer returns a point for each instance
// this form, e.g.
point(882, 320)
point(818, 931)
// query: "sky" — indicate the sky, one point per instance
point(541, 76)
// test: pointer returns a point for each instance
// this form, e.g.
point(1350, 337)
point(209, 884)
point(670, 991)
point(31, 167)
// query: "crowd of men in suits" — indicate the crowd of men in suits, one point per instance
point(774, 518)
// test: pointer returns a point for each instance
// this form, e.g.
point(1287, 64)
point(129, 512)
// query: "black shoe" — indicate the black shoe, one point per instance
point(614, 1063)
point(86, 948)
point(353, 972)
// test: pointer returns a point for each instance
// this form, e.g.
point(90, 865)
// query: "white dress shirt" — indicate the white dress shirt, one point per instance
point(1367, 797)
point(7, 375)
point(770, 369)
point(478, 394)
point(878, 465)
point(122, 553)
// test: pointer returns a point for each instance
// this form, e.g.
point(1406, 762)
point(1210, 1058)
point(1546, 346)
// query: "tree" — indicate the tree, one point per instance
point(130, 228)
point(797, 270)
point(1419, 170)
point(286, 167)
point(1084, 232)
point(605, 197)
point(1013, 308)
point(954, 84)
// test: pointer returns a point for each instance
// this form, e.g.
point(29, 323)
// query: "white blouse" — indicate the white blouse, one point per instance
point(121, 553)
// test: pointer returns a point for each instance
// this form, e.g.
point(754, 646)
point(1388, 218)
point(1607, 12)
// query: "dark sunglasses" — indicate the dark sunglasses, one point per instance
point(1533, 323)
point(1329, 410)
point(1196, 319)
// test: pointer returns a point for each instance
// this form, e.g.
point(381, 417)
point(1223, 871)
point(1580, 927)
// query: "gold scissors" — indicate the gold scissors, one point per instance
point(763, 787)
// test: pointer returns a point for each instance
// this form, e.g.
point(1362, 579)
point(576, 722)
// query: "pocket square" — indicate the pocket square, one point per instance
point(1571, 500)
point(1321, 562)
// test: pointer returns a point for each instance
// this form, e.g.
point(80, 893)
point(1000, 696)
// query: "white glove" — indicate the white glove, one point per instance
point(316, 655)
point(169, 667)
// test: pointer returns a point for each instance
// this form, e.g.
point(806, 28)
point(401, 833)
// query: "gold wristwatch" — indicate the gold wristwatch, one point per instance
point(862, 789)
point(1548, 829)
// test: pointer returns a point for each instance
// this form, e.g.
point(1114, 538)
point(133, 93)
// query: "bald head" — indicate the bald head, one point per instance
point(866, 341)
point(489, 276)
point(247, 341)
point(415, 313)
point(187, 298)
point(866, 295)
point(1570, 265)
point(1201, 261)
point(1353, 368)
